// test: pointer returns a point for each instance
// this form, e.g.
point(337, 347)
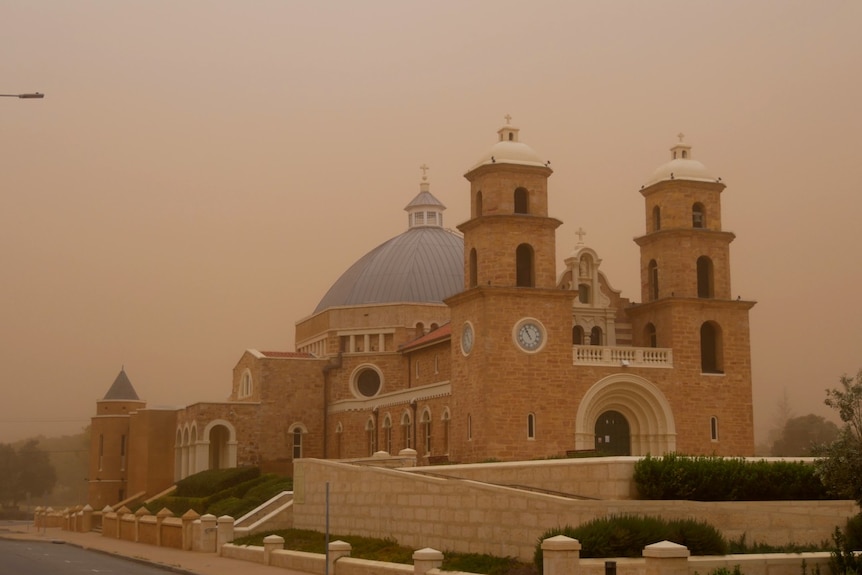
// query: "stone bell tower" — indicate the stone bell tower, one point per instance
point(511, 318)
point(687, 304)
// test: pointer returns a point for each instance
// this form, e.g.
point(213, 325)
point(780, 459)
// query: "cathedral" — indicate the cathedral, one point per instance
point(473, 345)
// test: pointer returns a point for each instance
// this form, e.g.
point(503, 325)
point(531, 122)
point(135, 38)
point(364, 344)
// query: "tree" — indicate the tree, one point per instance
point(802, 435)
point(37, 474)
point(840, 463)
point(8, 475)
point(24, 473)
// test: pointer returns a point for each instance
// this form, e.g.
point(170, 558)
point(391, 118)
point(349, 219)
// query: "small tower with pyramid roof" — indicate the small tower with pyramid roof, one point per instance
point(109, 443)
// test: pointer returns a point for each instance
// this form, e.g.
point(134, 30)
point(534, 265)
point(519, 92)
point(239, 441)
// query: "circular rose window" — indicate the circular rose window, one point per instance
point(368, 382)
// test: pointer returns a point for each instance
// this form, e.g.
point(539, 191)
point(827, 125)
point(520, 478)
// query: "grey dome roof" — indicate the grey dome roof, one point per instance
point(425, 264)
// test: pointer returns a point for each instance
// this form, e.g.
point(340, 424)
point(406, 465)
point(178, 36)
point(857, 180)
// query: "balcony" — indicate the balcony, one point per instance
point(622, 356)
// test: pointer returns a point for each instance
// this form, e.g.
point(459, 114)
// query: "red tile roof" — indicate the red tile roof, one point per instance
point(442, 332)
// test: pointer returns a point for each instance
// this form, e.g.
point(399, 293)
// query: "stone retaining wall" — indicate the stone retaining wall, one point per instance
point(471, 517)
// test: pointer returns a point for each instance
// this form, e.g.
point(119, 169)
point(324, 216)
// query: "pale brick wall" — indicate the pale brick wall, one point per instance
point(469, 517)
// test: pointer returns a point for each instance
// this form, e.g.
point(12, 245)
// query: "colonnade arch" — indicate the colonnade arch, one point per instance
point(214, 448)
point(644, 406)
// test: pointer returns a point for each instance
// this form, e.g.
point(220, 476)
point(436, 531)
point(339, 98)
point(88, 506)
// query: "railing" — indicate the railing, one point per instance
point(622, 356)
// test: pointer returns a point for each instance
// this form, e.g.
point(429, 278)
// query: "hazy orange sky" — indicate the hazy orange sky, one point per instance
point(200, 172)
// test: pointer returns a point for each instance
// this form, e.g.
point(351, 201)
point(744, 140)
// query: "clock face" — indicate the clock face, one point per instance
point(530, 336)
point(467, 338)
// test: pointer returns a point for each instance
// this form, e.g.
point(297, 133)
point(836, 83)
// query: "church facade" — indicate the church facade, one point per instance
point(471, 345)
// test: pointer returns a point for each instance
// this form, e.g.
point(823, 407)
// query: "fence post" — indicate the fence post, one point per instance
point(209, 534)
point(225, 531)
point(561, 555)
point(426, 559)
point(160, 518)
point(666, 558)
point(188, 519)
point(337, 550)
point(270, 544)
point(87, 519)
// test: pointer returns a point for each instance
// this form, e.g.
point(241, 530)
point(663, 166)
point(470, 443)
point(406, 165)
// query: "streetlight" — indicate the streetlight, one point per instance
point(29, 95)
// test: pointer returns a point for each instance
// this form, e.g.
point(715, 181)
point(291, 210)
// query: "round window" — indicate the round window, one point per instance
point(368, 382)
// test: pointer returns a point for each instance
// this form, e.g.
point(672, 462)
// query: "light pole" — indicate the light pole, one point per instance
point(26, 96)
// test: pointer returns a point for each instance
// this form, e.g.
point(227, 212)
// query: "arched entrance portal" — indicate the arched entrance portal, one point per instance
point(613, 436)
point(636, 403)
point(218, 440)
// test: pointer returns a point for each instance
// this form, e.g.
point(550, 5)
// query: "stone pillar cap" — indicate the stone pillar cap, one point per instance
point(665, 550)
point(427, 554)
point(561, 543)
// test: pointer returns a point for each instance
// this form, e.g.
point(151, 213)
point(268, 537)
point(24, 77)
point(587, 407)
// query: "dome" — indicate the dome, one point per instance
point(681, 167)
point(425, 264)
point(508, 150)
point(422, 265)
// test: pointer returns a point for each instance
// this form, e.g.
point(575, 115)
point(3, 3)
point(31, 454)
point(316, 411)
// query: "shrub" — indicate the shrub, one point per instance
point(844, 560)
point(701, 478)
point(214, 480)
point(627, 535)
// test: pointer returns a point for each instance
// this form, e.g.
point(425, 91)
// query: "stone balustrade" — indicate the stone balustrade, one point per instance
point(622, 356)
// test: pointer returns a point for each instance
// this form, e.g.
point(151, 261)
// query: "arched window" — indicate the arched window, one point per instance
point(524, 275)
point(531, 426)
point(596, 336)
point(420, 329)
point(339, 433)
point(705, 286)
point(698, 216)
point(478, 203)
point(583, 293)
point(650, 335)
point(417, 369)
point(297, 442)
point(577, 335)
point(371, 433)
point(652, 278)
point(521, 201)
point(474, 268)
point(434, 327)
point(436, 363)
point(407, 430)
point(713, 428)
point(711, 353)
point(426, 430)
point(656, 218)
point(246, 387)
point(387, 433)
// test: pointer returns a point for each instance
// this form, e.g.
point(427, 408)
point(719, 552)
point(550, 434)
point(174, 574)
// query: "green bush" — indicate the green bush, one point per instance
point(627, 535)
point(702, 478)
point(239, 491)
point(214, 480)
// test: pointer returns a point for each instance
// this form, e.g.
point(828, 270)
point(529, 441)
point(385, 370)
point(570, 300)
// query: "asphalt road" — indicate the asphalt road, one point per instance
point(43, 557)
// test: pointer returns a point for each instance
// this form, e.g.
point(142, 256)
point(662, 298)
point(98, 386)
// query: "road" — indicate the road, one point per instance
point(18, 557)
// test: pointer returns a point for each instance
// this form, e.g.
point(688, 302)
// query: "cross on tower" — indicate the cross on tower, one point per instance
point(680, 136)
point(424, 169)
point(508, 119)
point(580, 233)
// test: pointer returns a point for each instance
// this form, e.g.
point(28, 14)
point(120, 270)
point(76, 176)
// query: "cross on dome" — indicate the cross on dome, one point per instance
point(508, 118)
point(424, 168)
point(681, 150)
point(580, 233)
